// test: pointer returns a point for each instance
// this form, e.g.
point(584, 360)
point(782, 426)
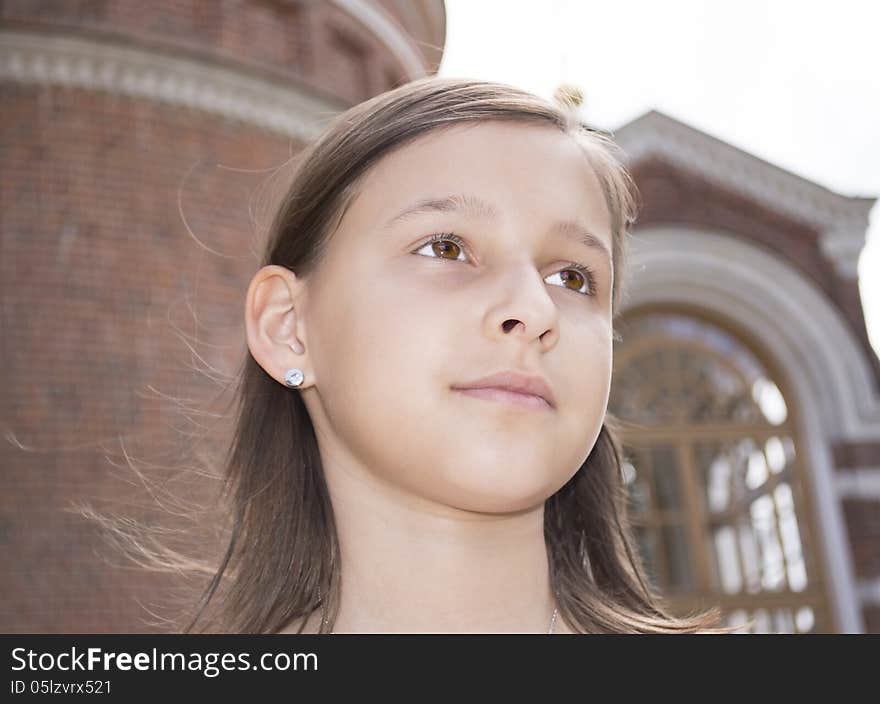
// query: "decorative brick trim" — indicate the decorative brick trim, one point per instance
point(67, 61)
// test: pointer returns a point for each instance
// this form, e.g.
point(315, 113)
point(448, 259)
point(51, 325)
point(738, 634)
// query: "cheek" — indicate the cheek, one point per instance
point(593, 381)
point(591, 372)
point(592, 366)
point(384, 395)
point(365, 318)
point(379, 352)
point(400, 335)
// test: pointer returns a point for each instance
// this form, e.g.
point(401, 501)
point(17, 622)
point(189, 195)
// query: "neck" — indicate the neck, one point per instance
point(414, 566)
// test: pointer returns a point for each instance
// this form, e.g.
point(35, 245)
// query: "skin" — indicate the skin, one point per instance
point(439, 497)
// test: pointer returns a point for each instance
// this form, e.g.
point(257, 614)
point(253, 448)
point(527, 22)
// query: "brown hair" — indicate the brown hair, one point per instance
point(281, 562)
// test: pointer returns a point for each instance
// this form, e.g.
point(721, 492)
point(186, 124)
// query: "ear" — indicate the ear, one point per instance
point(274, 322)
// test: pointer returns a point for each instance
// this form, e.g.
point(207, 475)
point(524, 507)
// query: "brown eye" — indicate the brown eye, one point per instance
point(577, 277)
point(572, 276)
point(445, 245)
point(442, 248)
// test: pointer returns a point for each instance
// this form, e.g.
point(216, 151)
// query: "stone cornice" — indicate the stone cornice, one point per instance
point(842, 221)
point(44, 58)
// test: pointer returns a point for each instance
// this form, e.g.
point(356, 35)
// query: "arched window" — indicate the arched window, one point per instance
point(717, 483)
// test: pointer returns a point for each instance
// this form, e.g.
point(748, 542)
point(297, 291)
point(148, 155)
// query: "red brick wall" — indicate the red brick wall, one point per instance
point(94, 252)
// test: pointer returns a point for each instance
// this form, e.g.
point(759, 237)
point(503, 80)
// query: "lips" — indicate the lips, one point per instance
point(511, 386)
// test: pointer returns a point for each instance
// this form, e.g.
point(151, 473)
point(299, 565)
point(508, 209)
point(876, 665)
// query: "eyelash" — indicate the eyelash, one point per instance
point(582, 269)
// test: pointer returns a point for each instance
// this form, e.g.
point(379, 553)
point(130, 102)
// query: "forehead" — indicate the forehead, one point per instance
point(532, 174)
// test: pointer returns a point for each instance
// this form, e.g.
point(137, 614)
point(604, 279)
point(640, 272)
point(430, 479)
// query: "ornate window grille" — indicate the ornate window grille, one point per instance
point(718, 488)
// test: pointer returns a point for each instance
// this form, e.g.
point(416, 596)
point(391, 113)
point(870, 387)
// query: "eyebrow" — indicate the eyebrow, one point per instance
point(476, 207)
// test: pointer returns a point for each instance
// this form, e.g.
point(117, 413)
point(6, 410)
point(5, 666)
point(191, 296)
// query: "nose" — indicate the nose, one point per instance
point(524, 307)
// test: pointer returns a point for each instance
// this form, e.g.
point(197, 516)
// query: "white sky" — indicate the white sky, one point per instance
point(794, 83)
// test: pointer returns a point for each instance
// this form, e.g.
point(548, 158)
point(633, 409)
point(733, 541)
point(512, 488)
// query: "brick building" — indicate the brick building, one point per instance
point(132, 143)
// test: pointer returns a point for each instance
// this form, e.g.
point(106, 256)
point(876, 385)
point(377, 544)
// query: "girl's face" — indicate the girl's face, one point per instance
point(390, 322)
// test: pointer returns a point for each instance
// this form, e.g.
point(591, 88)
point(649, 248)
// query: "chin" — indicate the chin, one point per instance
point(504, 491)
point(501, 505)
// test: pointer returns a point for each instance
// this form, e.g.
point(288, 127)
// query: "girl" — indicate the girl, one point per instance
point(421, 440)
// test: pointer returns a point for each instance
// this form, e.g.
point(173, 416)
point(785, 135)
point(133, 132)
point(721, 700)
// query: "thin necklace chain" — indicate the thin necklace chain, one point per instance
point(549, 632)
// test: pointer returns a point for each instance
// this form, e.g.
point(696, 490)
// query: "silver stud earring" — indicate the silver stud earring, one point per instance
point(294, 377)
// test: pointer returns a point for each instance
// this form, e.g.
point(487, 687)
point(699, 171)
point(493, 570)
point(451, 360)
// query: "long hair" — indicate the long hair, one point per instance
point(281, 561)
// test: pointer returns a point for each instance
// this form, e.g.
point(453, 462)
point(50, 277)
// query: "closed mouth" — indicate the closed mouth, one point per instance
point(507, 396)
